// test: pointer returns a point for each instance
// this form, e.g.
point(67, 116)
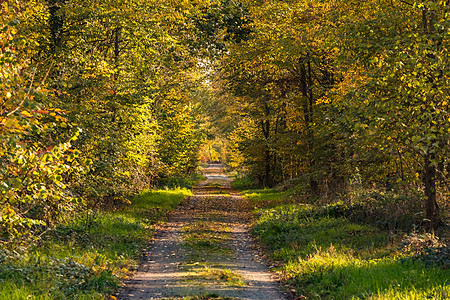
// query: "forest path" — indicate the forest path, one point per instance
point(205, 251)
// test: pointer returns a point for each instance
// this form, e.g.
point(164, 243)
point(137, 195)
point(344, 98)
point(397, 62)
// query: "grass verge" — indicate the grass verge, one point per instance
point(86, 257)
point(324, 255)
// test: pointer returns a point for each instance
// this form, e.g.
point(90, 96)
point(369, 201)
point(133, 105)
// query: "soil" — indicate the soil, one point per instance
point(205, 251)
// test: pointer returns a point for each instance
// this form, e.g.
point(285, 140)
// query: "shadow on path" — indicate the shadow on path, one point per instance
point(205, 249)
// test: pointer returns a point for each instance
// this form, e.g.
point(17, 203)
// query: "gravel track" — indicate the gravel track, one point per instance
point(169, 269)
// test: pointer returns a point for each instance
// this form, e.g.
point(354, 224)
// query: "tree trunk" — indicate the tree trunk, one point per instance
point(429, 181)
point(306, 89)
point(265, 126)
point(56, 22)
point(268, 180)
point(429, 170)
point(117, 41)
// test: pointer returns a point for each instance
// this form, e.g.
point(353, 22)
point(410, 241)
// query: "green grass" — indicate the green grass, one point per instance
point(206, 240)
point(260, 198)
point(86, 257)
point(242, 183)
point(323, 255)
point(207, 236)
point(204, 274)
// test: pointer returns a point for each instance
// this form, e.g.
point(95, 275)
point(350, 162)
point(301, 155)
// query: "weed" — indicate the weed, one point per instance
point(427, 248)
point(180, 182)
point(243, 183)
point(265, 198)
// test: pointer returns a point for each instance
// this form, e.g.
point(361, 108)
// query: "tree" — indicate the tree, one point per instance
point(33, 190)
point(335, 90)
point(402, 53)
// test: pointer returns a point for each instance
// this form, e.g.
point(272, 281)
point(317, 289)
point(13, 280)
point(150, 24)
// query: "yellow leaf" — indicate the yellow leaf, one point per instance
point(26, 114)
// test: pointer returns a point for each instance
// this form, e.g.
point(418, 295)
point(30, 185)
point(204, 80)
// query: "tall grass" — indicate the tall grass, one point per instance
point(86, 257)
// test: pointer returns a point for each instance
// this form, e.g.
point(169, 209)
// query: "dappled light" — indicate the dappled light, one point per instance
point(204, 249)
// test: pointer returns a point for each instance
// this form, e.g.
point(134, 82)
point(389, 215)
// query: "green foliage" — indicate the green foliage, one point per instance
point(213, 150)
point(323, 257)
point(179, 141)
point(337, 96)
point(166, 199)
point(34, 168)
point(219, 22)
point(37, 278)
point(243, 183)
point(262, 198)
point(97, 101)
point(385, 210)
point(182, 182)
point(299, 227)
point(85, 257)
point(428, 248)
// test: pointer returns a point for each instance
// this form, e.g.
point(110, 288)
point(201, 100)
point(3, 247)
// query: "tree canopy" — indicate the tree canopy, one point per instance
point(100, 99)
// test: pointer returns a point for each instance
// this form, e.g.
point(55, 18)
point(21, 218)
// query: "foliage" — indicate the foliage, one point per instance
point(88, 255)
point(338, 95)
point(34, 168)
point(387, 211)
point(182, 182)
point(322, 257)
point(101, 99)
point(243, 183)
point(428, 248)
point(95, 105)
point(214, 150)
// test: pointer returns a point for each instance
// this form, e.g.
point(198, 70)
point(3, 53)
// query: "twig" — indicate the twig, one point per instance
point(27, 95)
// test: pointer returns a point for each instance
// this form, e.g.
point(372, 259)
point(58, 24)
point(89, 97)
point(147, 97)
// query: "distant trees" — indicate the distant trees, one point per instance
point(334, 91)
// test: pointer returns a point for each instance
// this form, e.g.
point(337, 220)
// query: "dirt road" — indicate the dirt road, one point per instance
point(205, 251)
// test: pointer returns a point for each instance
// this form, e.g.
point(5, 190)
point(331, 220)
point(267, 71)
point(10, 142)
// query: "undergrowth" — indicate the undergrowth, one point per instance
point(86, 257)
point(336, 252)
point(180, 181)
point(243, 182)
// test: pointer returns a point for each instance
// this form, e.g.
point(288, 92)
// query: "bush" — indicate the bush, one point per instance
point(180, 182)
point(385, 209)
point(427, 248)
point(243, 183)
